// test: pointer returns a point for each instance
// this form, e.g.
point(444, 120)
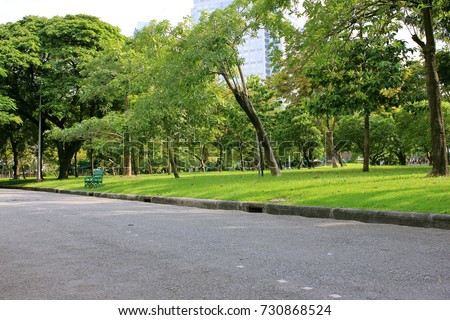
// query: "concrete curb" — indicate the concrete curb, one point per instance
point(412, 219)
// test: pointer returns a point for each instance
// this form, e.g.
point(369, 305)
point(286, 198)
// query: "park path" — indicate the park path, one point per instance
point(59, 246)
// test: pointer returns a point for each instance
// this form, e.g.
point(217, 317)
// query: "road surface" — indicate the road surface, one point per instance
point(57, 246)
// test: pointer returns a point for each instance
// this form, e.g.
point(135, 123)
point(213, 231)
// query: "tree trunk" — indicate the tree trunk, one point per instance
point(173, 162)
point(306, 158)
point(15, 151)
point(135, 160)
point(401, 158)
point(150, 166)
point(169, 165)
point(64, 165)
point(91, 155)
point(337, 155)
point(113, 167)
point(127, 160)
point(366, 143)
point(241, 156)
point(220, 162)
point(330, 148)
point(259, 157)
point(66, 151)
point(75, 160)
point(203, 158)
point(247, 106)
point(310, 156)
point(438, 138)
point(328, 130)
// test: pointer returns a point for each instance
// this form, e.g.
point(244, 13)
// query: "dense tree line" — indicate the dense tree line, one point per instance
point(175, 98)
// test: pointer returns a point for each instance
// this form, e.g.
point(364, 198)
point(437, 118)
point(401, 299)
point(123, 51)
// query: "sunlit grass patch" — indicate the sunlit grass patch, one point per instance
point(383, 188)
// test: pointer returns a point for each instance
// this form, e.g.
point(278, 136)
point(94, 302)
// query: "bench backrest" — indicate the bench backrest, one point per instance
point(98, 172)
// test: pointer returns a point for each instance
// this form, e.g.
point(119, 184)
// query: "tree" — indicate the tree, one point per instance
point(18, 51)
point(363, 75)
point(324, 102)
point(382, 135)
point(267, 103)
point(213, 51)
point(411, 126)
point(443, 61)
point(428, 47)
point(114, 77)
point(95, 134)
point(296, 130)
point(412, 129)
point(49, 56)
point(169, 101)
point(332, 18)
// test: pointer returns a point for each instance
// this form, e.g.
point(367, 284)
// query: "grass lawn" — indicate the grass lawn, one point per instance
point(383, 188)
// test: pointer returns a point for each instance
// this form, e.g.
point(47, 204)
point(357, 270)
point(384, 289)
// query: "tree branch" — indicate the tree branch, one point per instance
point(244, 85)
point(417, 40)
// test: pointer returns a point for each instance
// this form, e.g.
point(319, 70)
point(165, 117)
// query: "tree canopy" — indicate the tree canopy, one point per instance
point(44, 70)
point(184, 86)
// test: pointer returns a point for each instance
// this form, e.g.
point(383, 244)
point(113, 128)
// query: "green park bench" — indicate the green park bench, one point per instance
point(94, 181)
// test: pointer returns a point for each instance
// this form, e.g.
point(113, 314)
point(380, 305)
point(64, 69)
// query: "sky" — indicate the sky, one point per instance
point(124, 14)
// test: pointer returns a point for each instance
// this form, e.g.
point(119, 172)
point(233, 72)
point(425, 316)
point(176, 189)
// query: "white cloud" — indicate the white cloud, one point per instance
point(124, 14)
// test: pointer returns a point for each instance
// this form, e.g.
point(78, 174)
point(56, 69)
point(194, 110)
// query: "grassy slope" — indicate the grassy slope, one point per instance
point(384, 188)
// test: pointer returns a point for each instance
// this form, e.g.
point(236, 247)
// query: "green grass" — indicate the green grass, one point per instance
point(383, 188)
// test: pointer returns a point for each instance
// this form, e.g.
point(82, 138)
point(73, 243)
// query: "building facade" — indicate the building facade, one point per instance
point(255, 51)
point(208, 6)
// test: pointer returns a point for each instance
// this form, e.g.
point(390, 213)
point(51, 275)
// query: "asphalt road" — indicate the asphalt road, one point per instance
point(56, 246)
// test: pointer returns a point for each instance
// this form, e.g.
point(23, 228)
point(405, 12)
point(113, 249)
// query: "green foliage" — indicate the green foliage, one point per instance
point(44, 62)
point(93, 85)
point(267, 102)
point(443, 59)
point(364, 75)
point(7, 108)
point(413, 129)
point(70, 42)
point(403, 133)
point(171, 98)
point(296, 131)
point(112, 126)
point(214, 44)
point(383, 139)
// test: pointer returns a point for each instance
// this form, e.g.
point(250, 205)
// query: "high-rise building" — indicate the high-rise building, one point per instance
point(255, 51)
point(207, 6)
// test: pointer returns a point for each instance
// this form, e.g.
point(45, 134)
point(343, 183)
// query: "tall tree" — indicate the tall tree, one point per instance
point(7, 105)
point(443, 60)
point(113, 78)
point(296, 131)
point(18, 52)
point(429, 10)
point(168, 103)
point(361, 74)
point(428, 19)
point(213, 51)
point(54, 53)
